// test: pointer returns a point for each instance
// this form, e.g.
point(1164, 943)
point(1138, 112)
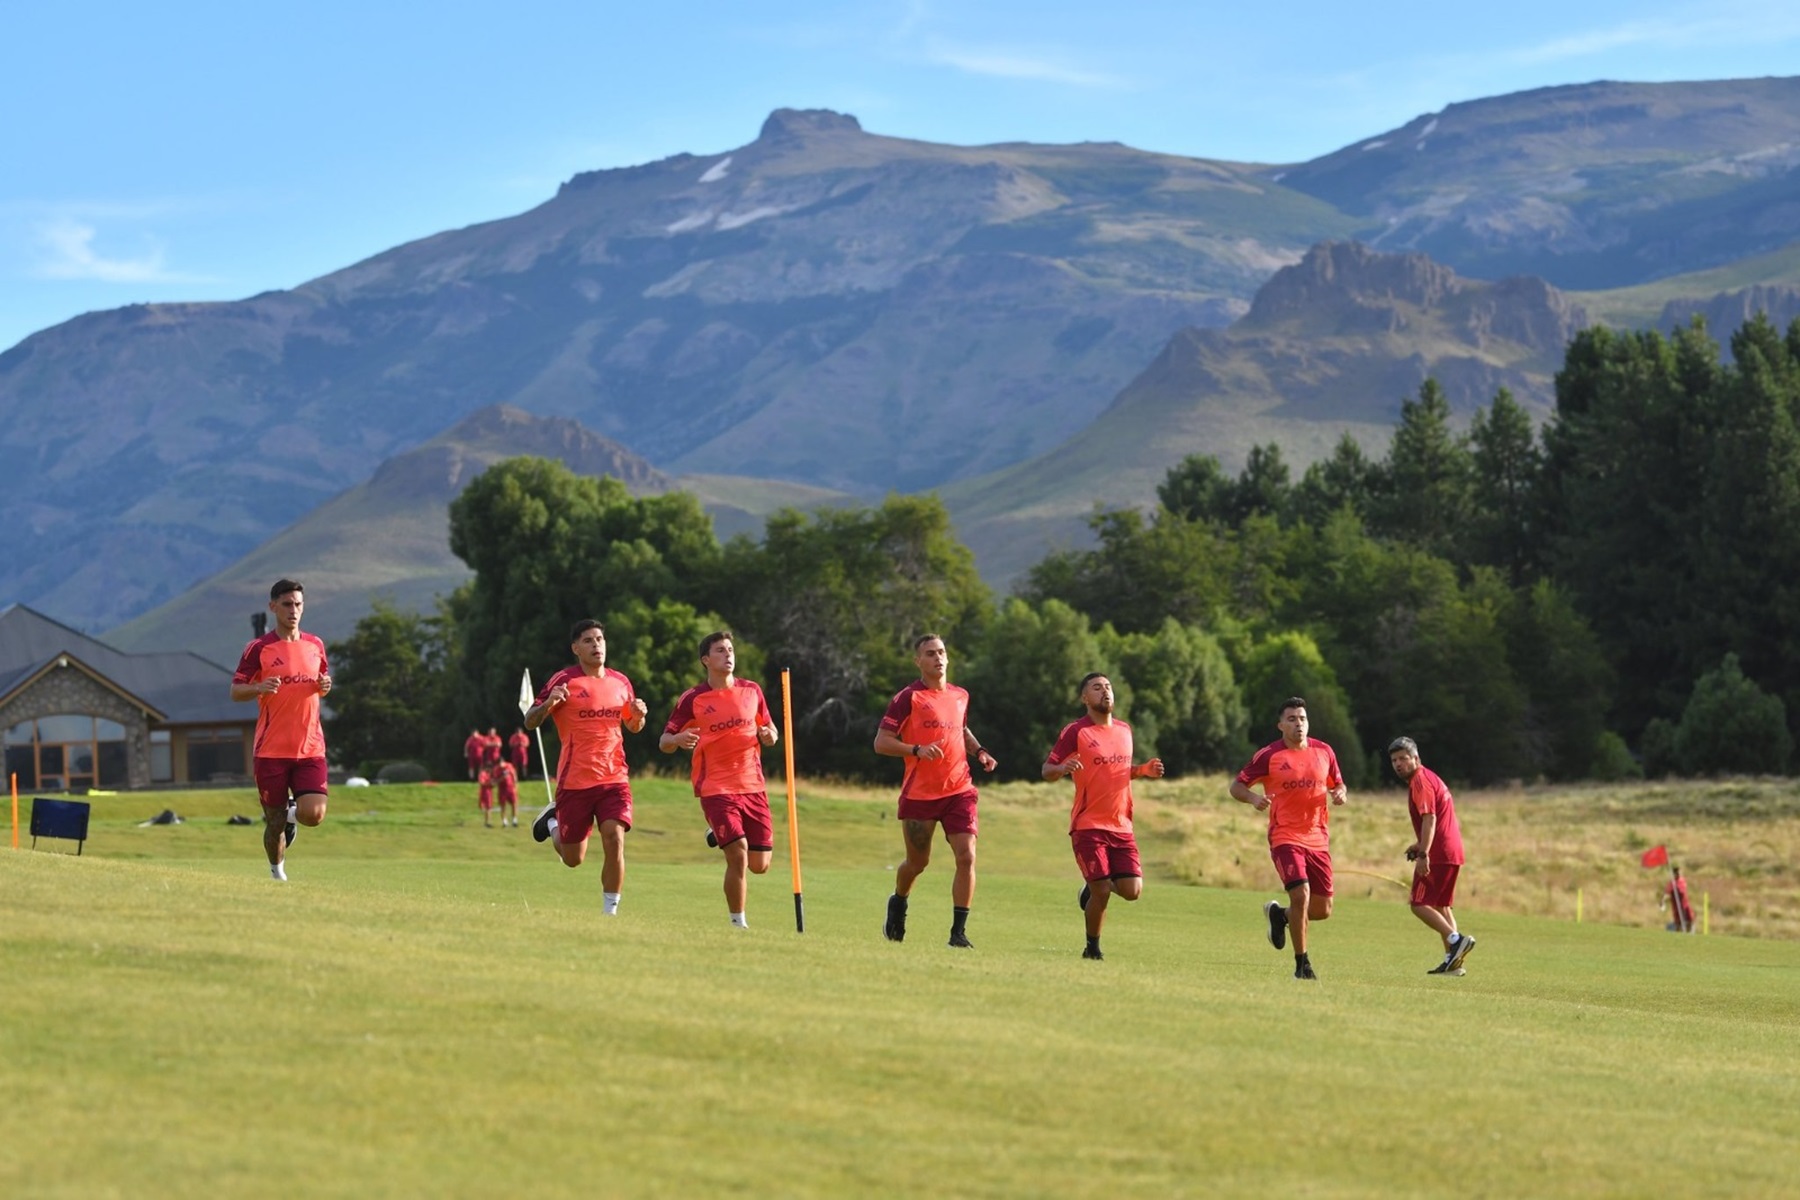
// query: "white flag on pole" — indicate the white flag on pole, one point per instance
point(526, 695)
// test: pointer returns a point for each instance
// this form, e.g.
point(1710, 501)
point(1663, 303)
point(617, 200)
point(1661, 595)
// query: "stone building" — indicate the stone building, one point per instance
point(76, 714)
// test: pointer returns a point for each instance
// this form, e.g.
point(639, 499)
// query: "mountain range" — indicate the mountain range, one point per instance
point(836, 312)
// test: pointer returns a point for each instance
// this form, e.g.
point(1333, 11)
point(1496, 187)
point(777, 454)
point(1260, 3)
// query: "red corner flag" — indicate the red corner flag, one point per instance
point(1656, 856)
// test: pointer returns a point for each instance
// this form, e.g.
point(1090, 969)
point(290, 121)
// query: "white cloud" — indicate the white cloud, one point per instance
point(1013, 64)
point(1718, 28)
point(66, 251)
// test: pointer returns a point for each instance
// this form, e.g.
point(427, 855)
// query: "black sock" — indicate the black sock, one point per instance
point(1093, 943)
point(897, 901)
point(1300, 958)
point(959, 918)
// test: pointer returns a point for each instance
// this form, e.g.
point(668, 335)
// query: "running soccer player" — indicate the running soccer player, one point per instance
point(1436, 852)
point(726, 722)
point(286, 673)
point(927, 725)
point(1300, 779)
point(1096, 751)
point(592, 705)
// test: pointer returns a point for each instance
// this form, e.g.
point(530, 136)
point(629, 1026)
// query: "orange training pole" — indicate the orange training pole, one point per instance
point(787, 727)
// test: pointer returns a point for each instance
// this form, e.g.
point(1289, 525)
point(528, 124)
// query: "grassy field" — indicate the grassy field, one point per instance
point(434, 1008)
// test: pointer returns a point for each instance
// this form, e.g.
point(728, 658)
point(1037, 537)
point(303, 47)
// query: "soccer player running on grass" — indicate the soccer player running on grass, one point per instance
point(286, 673)
point(726, 723)
point(1096, 752)
point(592, 705)
point(1300, 779)
point(1436, 852)
point(927, 724)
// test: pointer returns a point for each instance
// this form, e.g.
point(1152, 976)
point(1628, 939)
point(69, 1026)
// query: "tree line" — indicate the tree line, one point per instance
point(1609, 595)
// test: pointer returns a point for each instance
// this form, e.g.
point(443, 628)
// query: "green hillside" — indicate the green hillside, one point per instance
point(1642, 306)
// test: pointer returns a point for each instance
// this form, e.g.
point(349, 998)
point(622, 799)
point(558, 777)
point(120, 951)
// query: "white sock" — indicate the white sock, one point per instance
point(552, 828)
point(278, 871)
point(609, 904)
point(740, 920)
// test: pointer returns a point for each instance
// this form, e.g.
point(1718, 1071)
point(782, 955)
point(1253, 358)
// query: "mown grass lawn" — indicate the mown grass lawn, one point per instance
point(431, 1008)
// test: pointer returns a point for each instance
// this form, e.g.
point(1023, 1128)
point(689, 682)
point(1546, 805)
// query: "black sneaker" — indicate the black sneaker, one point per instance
point(540, 828)
point(712, 843)
point(1444, 968)
point(1277, 924)
point(1086, 894)
point(895, 929)
point(1459, 950)
point(1092, 952)
point(1303, 970)
point(961, 941)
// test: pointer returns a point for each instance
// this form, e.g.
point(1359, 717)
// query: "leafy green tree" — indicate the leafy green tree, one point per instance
point(1022, 681)
point(1347, 479)
point(1185, 704)
point(1196, 488)
point(1568, 684)
point(549, 548)
point(388, 681)
point(837, 597)
point(1504, 523)
point(1291, 664)
point(1624, 478)
point(1142, 572)
point(1427, 479)
point(1731, 726)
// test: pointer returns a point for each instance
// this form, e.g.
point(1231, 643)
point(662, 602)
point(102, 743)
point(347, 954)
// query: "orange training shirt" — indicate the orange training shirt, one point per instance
point(1295, 781)
point(1103, 785)
point(921, 716)
point(287, 723)
point(728, 758)
point(590, 725)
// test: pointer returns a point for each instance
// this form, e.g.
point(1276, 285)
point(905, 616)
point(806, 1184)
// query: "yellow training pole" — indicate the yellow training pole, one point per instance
point(1705, 913)
point(787, 728)
point(15, 792)
point(1578, 906)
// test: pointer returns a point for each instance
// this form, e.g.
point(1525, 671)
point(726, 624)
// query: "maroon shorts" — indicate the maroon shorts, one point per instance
point(743, 815)
point(583, 808)
point(279, 778)
point(1438, 889)
point(486, 799)
point(1104, 854)
point(955, 813)
point(1297, 863)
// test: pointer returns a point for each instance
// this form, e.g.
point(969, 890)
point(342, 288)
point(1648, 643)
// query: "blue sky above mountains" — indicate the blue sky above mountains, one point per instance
point(197, 151)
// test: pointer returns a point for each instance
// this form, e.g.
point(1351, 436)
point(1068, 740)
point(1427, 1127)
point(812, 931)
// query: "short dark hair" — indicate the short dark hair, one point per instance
point(282, 587)
point(1087, 679)
point(714, 638)
point(1406, 744)
point(582, 627)
point(927, 637)
point(1290, 702)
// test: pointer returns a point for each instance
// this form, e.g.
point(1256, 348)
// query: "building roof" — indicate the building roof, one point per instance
point(182, 686)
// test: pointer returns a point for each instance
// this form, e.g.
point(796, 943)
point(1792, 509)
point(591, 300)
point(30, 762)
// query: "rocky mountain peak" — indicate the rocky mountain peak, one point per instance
point(792, 124)
point(1349, 275)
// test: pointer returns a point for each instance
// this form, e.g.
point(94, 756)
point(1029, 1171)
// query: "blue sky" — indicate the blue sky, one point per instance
point(202, 151)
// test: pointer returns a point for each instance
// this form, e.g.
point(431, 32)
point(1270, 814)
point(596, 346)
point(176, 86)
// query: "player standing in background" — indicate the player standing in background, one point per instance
point(518, 753)
point(286, 673)
point(1436, 852)
point(592, 706)
point(472, 747)
point(506, 785)
point(485, 797)
point(1299, 778)
point(927, 724)
point(1096, 752)
point(726, 723)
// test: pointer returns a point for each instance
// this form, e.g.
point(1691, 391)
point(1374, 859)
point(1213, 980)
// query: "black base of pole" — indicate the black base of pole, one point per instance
point(799, 914)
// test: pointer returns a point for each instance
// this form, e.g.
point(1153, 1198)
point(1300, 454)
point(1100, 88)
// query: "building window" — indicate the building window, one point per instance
point(68, 751)
point(162, 757)
point(214, 752)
